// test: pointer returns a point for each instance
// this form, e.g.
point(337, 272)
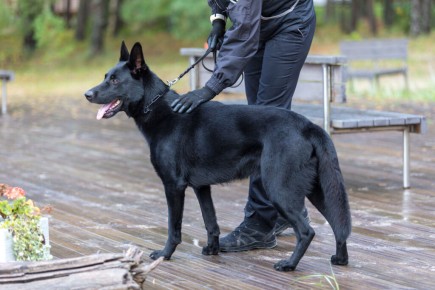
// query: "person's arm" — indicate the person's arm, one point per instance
point(218, 19)
point(240, 44)
point(217, 7)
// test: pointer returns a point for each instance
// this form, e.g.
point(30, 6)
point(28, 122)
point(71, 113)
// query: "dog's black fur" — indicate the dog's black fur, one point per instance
point(217, 143)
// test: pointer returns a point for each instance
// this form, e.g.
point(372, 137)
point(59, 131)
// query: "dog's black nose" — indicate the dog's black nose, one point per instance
point(89, 95)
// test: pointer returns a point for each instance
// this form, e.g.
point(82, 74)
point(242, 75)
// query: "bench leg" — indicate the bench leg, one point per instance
point(4, 98)
point(406, 158)
point(327, 98)
point(406, 81)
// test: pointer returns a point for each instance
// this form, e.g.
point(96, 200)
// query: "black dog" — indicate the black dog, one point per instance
point(218, 143)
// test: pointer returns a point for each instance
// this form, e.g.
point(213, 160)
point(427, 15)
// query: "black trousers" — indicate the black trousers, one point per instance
point(270, 79)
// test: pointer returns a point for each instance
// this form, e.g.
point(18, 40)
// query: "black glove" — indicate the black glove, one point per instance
point(216, 37)
point(192, 99)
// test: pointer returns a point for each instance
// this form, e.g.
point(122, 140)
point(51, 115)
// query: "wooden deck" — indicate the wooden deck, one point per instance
point(106, 196)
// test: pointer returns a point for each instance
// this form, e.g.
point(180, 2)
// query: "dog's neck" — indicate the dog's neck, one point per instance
point(154, 105)
point(153, 90)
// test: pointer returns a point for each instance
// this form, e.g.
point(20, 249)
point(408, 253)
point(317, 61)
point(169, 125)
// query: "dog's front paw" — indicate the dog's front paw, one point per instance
point(210, 250)
point(284, 266)
point(339, 261)
point(157, 254)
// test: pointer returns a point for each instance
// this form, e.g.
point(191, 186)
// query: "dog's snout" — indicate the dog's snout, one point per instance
point(89, 95)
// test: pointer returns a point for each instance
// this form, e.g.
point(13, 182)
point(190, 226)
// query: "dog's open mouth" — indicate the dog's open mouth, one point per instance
point(109, 110)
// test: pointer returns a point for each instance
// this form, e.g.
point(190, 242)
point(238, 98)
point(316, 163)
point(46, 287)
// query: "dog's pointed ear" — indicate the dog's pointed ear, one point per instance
point(137, 61)
point(125, 56)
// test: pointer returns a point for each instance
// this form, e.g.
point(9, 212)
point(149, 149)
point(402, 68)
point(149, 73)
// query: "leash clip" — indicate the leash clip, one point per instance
point(173, 82)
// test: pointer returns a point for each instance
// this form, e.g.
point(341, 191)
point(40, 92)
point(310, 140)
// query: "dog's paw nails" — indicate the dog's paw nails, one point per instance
point(284, 266)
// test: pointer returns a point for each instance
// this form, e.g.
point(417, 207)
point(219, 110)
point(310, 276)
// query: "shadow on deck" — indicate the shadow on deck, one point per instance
point(98, 178)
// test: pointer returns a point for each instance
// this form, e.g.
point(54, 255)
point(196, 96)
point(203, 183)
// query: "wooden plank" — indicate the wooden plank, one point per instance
point(118, 271)
point(374, 49)
point(106, 195)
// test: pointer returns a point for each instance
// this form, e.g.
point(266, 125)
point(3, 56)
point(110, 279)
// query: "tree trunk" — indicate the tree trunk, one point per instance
point(355, 15)
point(118, 20)
point(28, 12)
point(68, 14)
point(388, 13)
point(371, 17)
point(82, 20)
point(330, 11)
point(100, 9)
point(426, 13)
point(415, 28)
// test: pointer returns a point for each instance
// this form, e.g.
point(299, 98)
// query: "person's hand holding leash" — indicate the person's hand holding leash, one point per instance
point(188, 102)
point(216, 37)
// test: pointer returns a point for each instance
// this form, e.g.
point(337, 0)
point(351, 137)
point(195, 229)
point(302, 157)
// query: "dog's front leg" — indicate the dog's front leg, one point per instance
point(209, 215)
point(175, 200)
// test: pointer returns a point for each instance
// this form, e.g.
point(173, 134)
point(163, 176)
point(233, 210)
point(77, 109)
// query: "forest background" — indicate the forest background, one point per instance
point(62, 47)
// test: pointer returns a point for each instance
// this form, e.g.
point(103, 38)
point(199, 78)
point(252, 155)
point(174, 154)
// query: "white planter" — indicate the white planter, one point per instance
point(6, 242)
point(6, 253)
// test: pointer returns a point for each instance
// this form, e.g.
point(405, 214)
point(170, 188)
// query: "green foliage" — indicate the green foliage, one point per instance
point(21, 218)
point(18, 207)
point(27, 12)
point(402, 15)
point(190, 19)
point(28, 238)
point(146, 12)
point(183, 19)
point(6, 16)
point(48, 29)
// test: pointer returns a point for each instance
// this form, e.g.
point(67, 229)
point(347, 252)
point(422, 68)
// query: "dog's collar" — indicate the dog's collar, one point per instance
point(155, 99)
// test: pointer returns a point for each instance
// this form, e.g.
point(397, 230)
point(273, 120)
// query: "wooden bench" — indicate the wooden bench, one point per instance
point(5, 77)
point(323, 78)
point(374, 58)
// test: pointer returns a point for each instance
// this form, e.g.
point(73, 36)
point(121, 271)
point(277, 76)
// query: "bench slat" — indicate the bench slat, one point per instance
point(375, 49)
point(350, 118)
point(7, 75)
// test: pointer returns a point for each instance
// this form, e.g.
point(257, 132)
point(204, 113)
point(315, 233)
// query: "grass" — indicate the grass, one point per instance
point(318, 280)
point(54, 73)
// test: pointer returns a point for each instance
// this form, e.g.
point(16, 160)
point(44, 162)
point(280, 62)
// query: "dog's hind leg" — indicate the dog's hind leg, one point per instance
point(209, 215)
point(304, 234)
point(175, 199)
point(329, 193)
point(287, 194)
point(338, 218)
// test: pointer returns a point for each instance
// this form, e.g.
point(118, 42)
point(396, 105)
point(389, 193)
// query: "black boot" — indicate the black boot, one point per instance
point(249, 235)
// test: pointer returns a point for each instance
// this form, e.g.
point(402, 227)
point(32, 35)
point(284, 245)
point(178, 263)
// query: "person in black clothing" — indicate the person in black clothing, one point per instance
point(268, 41)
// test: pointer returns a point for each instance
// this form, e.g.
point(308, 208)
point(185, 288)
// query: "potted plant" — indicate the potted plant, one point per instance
point(23, 232)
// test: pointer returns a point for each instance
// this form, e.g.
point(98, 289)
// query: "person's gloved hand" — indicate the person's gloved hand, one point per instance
point(188, 102)
point(216, 37)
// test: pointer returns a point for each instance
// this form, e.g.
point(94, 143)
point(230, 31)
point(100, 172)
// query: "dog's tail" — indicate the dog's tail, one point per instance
point(330, 196)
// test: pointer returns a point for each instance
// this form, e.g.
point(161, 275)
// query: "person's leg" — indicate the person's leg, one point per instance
point(270, 79)
point(252, 75)
point(283, 59)
point(250, 233)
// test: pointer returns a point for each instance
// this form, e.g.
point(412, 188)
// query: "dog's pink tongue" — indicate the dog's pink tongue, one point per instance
point(103, 110)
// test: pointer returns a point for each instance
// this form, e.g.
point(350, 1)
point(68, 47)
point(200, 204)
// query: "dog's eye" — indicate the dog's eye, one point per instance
point(114, 81)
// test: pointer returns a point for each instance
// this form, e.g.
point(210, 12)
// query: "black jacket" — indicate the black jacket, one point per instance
point(253, 21)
